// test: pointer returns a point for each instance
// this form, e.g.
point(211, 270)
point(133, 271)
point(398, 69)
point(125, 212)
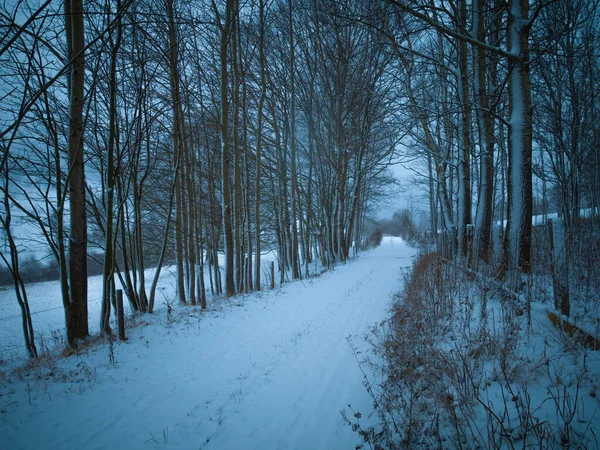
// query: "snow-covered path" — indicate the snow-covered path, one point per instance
point(272, 371)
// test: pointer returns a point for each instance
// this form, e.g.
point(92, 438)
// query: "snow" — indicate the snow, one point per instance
point(548, 376)
point(267, 370)
point(542, 219)
point(511, 379)
point(48, 315)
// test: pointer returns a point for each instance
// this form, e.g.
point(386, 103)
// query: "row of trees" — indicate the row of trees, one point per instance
point(205, 128)
point(497, 92)
point(223, 128)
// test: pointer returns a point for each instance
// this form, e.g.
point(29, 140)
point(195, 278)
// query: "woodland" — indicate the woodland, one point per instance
point(140, 133)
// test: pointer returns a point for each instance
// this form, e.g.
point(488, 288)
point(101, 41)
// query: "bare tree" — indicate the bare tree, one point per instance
point(109, 243)
point(225, 27)
point(76, 307)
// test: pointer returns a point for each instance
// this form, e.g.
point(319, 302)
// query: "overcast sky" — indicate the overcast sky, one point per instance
point(406, 195)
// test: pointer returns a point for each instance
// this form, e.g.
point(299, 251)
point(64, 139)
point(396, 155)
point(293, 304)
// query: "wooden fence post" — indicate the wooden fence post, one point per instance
point(120, 315)
point(272, 274)
point(559, 280)
point(470, 235)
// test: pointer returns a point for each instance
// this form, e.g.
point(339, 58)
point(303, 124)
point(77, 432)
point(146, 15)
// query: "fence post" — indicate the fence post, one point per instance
point(454, 240)
point(550, 237)
point(553, 265)
point(444, 249)
point(272, 274)
point(560, 281)
point(470, 236)
point(120, 315)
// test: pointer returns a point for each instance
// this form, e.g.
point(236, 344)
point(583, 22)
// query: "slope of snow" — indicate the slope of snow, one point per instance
point(265, 371)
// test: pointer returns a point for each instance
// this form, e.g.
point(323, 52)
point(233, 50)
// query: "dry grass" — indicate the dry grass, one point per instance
point(457, 374)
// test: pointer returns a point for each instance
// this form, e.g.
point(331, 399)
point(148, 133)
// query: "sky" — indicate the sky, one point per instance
point(406, 195)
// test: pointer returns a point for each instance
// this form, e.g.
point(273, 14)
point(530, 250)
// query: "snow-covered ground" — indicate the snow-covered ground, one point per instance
point(457, 375)
point(264, 371)
point(47, 312)
point(541, 219)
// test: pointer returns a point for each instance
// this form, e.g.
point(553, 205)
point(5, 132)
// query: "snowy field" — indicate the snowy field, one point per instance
point(47, 312)
point(48, 315)
point(264, 371)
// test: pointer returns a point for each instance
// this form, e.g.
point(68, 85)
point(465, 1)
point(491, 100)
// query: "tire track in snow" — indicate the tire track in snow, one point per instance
point(271, 372)
point(298, 404)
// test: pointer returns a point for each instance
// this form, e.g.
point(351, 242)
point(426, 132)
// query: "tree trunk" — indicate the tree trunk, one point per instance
point(226, 152)
point(177, 152)
point(464, 163)
point(13, 267)
point(259, 137)
point(237, 159)
point(483, 218)
point(294, 193)
point(518, 231)
point(76, 311)
point(109, 242)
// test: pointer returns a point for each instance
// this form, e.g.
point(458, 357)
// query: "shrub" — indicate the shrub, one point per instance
point(376, 237)
point(457, 369)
